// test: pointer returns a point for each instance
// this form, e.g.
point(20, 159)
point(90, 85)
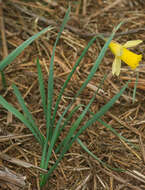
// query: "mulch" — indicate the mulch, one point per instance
point(20, 153)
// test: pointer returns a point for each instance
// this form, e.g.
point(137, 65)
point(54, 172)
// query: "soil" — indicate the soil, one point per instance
point(78, 170)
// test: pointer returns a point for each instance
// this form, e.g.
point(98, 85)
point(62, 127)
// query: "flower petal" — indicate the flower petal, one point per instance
point(130, 58)
point(116, 66)
point(116, 48)
point(121, 53)
point(132, 43)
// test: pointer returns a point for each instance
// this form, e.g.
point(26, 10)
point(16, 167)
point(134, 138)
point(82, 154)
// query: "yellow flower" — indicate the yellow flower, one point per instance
point(121, 53)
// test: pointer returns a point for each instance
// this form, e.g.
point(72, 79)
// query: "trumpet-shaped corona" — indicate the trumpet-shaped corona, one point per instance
point(122, 53)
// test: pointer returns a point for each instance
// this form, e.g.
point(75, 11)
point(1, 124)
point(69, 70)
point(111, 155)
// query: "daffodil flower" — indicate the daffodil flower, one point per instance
point(122, 53)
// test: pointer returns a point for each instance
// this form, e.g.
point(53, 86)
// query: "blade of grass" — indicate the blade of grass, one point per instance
point(98, 61)
point(3, 80)
point(43, 179)
point(112, 130)
point(96, 158)
point(65, 123)
point(19, 49)
point(135, 86)
point(70, 134)
point(42, 88)
point(28, 114)
point(15, 112)
point(117, 134)
point(70, 76)
point(49, 130)
point(73, 128)
point(77, 123)
point(67, 145)
point(93, 70)
point(53, 140)
point(50, 79)
point(100, 113)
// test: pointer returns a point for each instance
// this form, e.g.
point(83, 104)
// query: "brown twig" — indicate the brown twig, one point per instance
point(74, 29)
point(9, 176)
point(2, 28)
point(5, 47)
point(111, 5)
point(21, 163)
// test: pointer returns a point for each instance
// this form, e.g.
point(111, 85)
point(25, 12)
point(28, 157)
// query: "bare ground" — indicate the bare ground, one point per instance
point(77, 170)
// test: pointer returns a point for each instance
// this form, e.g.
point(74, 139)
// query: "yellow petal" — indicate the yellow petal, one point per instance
point(116, 48)
point(125, 55)
point(130, 58)
point(116, 66)
point(132, 43)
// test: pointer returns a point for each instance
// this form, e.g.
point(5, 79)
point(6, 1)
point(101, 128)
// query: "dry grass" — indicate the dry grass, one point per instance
point(78, 170)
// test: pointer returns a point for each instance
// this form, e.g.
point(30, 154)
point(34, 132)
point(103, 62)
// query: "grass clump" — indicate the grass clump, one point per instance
point(49, 142)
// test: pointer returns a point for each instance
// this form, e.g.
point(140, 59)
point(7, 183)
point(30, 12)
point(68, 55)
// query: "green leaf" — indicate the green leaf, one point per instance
point(94, 118)
point(70, 76)
point(96, 158)
point(74, 110)
point(15, 112)
point(50, 79)
point(19, 49)
point(28, 114)
point(42, 88)
point(49, 124)
point(135, 86)
point(100, 113)
point(3, 80)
